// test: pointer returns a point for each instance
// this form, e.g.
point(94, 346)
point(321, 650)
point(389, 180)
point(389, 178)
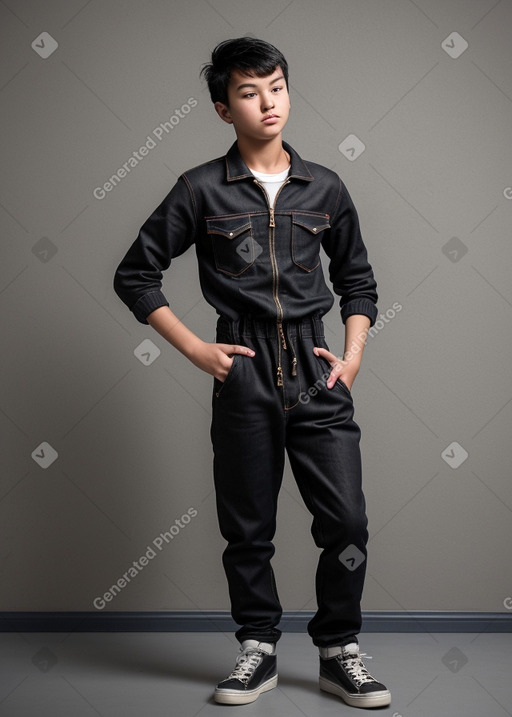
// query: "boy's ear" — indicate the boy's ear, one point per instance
point(223, 112)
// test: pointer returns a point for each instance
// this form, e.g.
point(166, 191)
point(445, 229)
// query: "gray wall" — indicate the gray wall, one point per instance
point(433, 189)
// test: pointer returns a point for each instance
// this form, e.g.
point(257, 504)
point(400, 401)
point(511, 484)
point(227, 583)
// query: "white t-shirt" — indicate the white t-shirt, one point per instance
point(271, 182)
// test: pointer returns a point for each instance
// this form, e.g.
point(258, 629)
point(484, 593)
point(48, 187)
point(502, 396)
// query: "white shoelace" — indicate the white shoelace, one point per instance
point(356, 669)
point(246, 663)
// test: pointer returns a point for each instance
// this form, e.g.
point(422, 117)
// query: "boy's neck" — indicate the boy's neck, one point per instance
point(268, 157)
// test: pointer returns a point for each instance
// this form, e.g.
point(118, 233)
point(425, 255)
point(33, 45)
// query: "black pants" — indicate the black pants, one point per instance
point(253, 422)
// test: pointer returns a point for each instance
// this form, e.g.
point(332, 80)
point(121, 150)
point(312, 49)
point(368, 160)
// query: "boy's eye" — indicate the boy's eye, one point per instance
point(253, 94)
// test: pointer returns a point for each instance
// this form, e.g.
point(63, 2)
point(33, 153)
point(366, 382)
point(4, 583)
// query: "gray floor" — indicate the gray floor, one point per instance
point(157, 674)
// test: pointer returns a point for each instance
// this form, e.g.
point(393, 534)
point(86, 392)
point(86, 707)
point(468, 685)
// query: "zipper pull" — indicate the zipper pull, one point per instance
point(272, 222)
point(280, 382)
point(281, 334)
point(294, 366)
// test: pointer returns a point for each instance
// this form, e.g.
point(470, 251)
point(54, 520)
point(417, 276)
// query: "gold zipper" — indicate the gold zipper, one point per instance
point(275, 276)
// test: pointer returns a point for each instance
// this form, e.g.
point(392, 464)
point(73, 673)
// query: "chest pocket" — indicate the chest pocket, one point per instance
point(232, 242)
point(306, 236)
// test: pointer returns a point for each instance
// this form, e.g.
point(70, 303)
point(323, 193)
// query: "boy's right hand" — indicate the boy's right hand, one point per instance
point(216, 359)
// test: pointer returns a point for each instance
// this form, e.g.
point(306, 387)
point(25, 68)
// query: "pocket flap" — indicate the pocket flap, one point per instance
point(229, 228)
point(314, 223)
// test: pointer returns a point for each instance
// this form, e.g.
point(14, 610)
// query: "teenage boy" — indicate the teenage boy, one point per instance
point(258, 217)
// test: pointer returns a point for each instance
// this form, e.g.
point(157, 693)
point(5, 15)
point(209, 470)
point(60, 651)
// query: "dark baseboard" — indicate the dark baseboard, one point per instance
point(197, 621)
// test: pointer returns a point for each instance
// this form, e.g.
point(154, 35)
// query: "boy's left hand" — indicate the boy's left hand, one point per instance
point(340, 369)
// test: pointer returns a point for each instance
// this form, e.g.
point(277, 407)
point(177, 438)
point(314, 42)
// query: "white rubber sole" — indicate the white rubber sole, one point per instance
point(375, 699)
point(233, 697)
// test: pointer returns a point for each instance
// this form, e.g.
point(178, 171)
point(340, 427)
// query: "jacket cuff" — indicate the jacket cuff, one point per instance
point(148, 303)
point(360, 306)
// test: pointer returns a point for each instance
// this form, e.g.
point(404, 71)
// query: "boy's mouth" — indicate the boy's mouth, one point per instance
point(270, 117)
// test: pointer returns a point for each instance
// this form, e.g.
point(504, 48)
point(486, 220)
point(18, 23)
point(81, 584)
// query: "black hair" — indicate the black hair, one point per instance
point(245, 54)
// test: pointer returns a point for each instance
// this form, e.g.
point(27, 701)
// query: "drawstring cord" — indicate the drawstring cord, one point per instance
point(282, 345)
point(294, 359)
point(280, 342)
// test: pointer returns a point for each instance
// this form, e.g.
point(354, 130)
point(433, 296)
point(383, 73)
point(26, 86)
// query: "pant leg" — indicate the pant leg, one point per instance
point(322, 442)
point(248, 442)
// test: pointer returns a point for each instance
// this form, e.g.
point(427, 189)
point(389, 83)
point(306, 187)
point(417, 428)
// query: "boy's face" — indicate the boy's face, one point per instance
point(258, 106)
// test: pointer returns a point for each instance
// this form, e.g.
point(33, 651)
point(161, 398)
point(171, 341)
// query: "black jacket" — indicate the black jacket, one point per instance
point(254, 260)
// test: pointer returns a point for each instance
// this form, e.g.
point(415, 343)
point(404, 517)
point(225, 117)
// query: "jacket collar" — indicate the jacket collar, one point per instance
point(237, 169)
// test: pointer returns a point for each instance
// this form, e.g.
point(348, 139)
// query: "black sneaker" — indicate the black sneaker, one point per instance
point(255, 672)
point(342, 673)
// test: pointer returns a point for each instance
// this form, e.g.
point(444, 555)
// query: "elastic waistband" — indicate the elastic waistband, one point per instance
point(233, 330)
